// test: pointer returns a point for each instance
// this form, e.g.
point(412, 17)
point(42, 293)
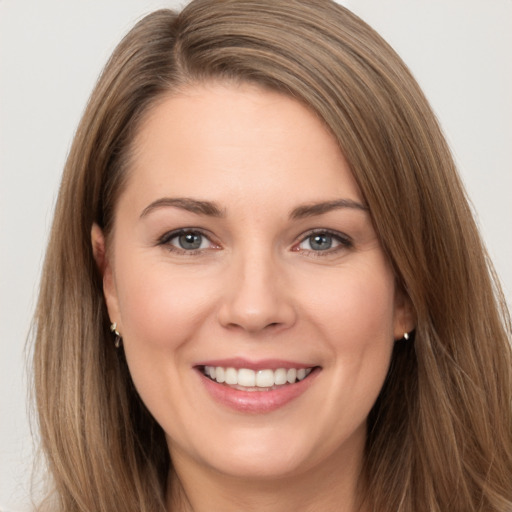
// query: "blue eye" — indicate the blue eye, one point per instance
point(324, 241)
point(185, 240)
point(189, 241)
point(320, 242)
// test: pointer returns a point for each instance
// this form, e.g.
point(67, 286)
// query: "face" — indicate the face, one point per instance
point(257, 309)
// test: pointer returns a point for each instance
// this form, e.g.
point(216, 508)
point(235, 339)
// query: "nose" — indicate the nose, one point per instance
point(257, 297)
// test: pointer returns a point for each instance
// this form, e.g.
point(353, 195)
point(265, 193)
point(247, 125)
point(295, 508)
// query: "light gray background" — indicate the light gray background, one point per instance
point(50, 55)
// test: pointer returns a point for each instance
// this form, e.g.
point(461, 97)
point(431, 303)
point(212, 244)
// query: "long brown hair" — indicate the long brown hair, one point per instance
point(439, 436)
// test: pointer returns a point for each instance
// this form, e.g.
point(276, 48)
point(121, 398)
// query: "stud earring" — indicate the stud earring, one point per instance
point(113, 329)
point(406, 336)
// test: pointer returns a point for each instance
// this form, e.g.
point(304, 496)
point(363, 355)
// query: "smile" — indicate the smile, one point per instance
point(255, 380)
point(256, 387)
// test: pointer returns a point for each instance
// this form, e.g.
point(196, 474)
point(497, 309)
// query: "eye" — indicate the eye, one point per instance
point(189, 241)
point(318, 242)
point(324, 241)
point(186, 241)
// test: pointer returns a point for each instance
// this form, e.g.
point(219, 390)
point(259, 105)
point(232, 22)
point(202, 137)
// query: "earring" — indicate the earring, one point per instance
point(406, 336)
point(113, 329)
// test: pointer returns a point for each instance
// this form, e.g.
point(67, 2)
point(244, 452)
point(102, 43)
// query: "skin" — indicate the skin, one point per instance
point(255, 289)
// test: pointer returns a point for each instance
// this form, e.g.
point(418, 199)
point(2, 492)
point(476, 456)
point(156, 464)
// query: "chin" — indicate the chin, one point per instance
point(264, 466)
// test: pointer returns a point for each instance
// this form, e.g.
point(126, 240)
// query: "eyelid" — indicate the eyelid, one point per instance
point(165, 239)
point(345, 241)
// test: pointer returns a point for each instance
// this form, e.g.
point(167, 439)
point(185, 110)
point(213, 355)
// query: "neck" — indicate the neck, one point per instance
point(330, 486)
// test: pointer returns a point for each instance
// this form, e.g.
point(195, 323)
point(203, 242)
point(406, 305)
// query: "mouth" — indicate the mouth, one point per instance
point(256, 387)
point(247, 379)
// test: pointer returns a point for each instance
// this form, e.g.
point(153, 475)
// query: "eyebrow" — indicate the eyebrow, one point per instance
point(310, 210)
point(192, 205)
point(211, 209)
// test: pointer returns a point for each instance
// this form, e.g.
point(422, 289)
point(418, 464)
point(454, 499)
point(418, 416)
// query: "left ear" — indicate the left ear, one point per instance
point(404, 317)
point(98, 247)
point(105, 267)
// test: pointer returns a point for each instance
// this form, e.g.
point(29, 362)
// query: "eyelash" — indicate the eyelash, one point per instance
point(344, 242)
point(165, 240)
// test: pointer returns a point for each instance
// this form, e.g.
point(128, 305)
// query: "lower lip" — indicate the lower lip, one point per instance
point(257, 402)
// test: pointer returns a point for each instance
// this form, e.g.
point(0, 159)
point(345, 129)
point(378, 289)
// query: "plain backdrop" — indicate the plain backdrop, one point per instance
point(51, 53)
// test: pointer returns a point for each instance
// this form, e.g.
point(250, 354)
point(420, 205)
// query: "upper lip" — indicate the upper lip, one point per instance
point(262, 364)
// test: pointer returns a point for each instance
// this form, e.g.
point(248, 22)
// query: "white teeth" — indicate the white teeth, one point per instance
point(220, 374)
point(231, 376)
point(265, 379)
point(246, 377)
point(260, 379)
point(280, 377)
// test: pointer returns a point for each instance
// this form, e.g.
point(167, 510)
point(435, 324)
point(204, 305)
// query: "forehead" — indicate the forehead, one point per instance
point(237, 140)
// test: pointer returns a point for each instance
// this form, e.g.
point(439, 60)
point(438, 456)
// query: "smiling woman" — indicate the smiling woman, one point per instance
point(275, 296)
point(274, 273)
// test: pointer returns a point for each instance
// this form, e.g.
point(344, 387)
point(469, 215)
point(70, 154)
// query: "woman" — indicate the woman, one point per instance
point(273, 295)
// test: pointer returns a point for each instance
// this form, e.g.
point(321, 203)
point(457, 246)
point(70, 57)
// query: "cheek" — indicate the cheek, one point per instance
point(162, 310)
point(357, 323)
point(160, 305)
point(356, 306)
